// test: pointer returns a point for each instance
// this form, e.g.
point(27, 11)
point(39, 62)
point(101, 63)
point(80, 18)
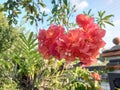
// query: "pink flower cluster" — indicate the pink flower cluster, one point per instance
point(83, 42)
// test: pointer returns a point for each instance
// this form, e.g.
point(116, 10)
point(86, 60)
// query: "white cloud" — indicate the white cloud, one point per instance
point(45, 10)
point(80, 5)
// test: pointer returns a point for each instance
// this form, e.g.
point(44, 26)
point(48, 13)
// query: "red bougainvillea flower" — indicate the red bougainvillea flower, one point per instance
point(83, 20)
point(42, 48)
point(95, 76)
point(46, 40)
point(63, 47)
point(83, 42)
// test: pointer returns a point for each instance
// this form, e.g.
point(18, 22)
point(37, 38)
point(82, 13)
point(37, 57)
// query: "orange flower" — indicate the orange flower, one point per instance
point(83, 42)
point(46, 40)
point(96, 76)
point(83, 20)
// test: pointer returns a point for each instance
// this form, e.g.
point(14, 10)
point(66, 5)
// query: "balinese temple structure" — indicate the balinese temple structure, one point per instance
point(113, 56)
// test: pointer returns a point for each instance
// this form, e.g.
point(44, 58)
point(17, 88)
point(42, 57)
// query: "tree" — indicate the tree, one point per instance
point(31, 9)
point(61, 13)
point(7, 34)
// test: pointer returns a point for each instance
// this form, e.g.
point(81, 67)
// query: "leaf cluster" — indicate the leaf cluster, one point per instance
point(102, 19)
point(7, 34)
point(61, 13)
point(31, 9)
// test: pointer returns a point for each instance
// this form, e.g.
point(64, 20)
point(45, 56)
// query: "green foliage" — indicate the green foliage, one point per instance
point(67, 79)
point(8, 37)
point(27, 61)
point(7, 34)
point(6, 82)
point(20, 65)
point(89, 13)
point(61, 13)
point(31, 9)
point(102, 19)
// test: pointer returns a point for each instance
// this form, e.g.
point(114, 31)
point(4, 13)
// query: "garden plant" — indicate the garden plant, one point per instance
point(56, 57)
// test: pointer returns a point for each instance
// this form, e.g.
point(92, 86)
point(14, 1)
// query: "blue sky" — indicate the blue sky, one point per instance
point(110, 6)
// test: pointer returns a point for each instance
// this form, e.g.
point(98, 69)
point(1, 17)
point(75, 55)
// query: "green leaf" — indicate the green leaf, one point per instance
point(110, 23)
point(102, 13)
point(32, 17)
point(65, 2)
point(33, 46)
point(99, 13)
point(42, 4)
point(10, 22)
point(54, 9)
point(53, 2)
point(14, 21)
point(68, 8)
point(108, 17)
point(22, 36)
point(89, 11)
point(33, 41)
point(31, 22)
point(30, 37)
point(102, 25)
